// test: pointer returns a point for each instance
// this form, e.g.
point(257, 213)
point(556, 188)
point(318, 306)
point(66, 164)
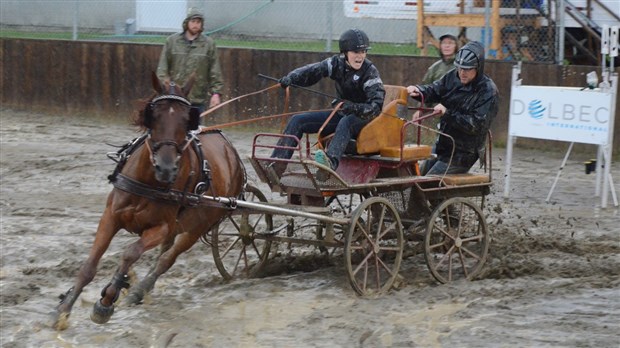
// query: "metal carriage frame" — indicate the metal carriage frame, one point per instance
point(368, 220)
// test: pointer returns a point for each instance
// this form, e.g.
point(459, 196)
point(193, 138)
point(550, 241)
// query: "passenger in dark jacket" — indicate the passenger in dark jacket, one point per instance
point(358, 84)
point(468, 102)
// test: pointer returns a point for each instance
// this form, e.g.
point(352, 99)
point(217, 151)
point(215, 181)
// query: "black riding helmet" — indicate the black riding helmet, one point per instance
point(471, 56)
point(353, 40)
point(466, 59)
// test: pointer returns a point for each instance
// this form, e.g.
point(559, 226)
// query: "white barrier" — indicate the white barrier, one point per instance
point(568, 114)
point(582, 115)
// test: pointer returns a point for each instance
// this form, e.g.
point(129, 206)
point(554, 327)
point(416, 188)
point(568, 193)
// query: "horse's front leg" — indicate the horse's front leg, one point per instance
point(105, 232)
point(182, 243)
point(150, 238)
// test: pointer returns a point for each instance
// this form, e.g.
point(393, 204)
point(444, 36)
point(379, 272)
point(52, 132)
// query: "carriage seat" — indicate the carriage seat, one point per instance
point(383, 134)
point(474, 178)
point(410, 152)
point(466, 179)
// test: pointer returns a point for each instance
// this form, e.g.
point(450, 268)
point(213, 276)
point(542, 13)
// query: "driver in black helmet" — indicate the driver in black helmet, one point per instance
point(357, 84)
point(468, 102)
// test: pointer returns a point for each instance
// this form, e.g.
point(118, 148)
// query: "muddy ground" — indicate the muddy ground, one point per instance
point(552, 278)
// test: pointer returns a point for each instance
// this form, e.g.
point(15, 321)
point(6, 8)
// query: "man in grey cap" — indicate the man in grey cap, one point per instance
point(191, 52)
point(447, 50)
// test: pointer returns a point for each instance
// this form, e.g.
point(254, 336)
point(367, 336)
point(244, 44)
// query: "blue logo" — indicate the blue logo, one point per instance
point(536, 109)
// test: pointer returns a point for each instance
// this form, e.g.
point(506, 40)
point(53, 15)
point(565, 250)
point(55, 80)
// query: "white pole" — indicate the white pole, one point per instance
point(516, 82)
point(508, 171)
point(613, 45)
point(599, 170)
point(330, 26)
point(559, 20)
point(610, 141)
point(76, 17)
point(604, 53)
point(570, 148)
point(487, 27)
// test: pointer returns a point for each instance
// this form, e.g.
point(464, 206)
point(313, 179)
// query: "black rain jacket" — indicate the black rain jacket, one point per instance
point(362, 87)
point(470, 110)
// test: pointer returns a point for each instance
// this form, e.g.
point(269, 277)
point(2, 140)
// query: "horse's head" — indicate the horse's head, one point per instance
point(169, 118)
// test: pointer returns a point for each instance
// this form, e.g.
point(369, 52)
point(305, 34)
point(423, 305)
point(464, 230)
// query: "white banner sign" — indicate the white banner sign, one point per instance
point(560, 113)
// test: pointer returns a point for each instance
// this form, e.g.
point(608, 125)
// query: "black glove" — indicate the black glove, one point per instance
point(285, 82)
point(351, 108)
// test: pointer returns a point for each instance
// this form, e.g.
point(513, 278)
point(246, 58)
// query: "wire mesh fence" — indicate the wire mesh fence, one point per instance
point(522, 30)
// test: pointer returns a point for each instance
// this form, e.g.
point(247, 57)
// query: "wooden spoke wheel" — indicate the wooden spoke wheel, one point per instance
point(456, 243)
point(342, 206)
point(374, 247)
point(237, 251)
point(345, 204)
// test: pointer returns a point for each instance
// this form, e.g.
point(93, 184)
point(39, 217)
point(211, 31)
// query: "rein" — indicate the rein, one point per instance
point(252, 120)
point(205, 113)
point(263, 118)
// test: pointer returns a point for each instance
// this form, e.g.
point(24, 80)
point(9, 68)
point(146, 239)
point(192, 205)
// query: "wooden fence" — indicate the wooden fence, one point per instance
point(104, 79)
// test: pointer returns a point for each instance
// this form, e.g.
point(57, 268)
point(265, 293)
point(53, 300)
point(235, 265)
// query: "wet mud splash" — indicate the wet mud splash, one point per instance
point(552, 277)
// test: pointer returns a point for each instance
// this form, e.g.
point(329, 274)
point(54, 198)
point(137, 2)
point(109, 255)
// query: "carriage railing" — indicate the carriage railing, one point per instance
point(416, 131)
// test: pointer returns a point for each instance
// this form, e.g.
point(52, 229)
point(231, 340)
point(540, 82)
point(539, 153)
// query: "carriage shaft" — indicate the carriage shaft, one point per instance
point(263, 207)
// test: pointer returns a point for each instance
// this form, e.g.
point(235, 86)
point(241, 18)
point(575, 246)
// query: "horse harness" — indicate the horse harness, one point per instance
point(177, 197)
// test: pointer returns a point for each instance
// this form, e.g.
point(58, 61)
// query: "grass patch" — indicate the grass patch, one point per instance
point(408, 49)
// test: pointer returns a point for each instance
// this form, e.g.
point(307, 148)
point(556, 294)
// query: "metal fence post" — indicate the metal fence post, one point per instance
point(330, 25)
point(559, 20)
point(76, 17)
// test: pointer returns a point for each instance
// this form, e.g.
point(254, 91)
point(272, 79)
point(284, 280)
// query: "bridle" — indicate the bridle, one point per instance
point(184, 196)
point(152, 146)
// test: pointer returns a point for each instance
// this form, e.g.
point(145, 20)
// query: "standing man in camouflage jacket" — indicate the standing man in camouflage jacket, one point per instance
point(191, 52)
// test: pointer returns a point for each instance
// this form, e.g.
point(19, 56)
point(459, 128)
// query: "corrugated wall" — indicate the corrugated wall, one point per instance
point(104, 79)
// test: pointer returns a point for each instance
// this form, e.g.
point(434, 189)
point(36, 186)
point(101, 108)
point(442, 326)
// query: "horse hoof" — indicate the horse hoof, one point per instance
point(101, 314)
point(135, 297)
point(132, 299)
point(61, 321)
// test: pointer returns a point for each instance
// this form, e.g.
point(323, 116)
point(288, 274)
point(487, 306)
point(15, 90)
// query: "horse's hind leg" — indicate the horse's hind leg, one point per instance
point(183, 242)
point(104, 307)
point(137, 293)
point(105, 233)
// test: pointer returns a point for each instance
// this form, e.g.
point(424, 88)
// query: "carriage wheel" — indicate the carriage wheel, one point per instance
point(457, 240)
point(342, 206)
point(374, 247)
point(236, 250)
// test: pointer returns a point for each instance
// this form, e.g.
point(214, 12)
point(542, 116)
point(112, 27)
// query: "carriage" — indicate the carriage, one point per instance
point(371, 210)
point(176, 184)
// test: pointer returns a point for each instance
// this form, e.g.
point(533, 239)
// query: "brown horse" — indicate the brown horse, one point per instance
point(156, 195)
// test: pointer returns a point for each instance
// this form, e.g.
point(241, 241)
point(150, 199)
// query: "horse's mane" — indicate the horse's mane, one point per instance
point(137, 116)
